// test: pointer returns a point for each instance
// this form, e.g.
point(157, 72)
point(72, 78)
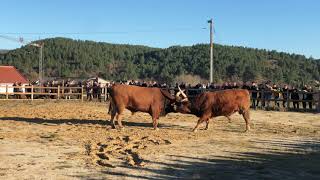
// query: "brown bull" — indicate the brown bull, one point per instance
point(220, 103)
point(154, 101)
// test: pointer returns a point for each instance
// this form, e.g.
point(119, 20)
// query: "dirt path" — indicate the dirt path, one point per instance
point(72, 140)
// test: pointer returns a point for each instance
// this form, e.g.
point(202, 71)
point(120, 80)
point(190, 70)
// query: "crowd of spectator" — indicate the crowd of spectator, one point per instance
point(262, 94)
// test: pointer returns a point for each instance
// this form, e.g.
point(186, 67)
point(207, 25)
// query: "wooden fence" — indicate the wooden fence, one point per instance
point(40, 92)
point(63, 92)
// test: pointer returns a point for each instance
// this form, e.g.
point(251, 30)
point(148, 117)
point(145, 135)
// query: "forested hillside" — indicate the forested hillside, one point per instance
point(75, 58)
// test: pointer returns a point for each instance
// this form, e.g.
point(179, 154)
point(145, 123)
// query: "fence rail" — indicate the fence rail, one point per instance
point(263, 97)
point(29, 92)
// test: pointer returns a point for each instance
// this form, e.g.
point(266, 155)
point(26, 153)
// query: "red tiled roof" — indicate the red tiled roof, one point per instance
point(9, 74)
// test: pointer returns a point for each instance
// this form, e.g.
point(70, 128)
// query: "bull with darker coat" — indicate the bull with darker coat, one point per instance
point(219, 103)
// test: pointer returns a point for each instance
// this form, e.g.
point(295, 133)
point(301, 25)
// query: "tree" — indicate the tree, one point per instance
point(77, 58)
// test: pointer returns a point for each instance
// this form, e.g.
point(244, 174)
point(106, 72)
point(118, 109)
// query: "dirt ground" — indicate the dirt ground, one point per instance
point(73, 140)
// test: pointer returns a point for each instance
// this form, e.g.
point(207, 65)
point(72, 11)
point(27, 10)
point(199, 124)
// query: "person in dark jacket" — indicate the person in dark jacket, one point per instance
point(254, 94)
point(295, 97)
point(260, 95)
point(267, 93)
point(307, 96)
point(285, 94)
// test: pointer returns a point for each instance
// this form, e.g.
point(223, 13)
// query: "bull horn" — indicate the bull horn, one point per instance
point(181, 92)
point(185, 98)
point(178, 94)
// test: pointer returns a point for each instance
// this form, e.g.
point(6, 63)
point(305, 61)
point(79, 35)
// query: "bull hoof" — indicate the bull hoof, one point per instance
point(194, 130)
point(156, 129)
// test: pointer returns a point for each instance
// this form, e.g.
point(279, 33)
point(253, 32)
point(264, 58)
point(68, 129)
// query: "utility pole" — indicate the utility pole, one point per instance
point(40, 64)
point(211, 50)
point(40, 46)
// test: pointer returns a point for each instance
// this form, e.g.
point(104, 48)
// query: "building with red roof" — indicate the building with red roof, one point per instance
point(10, 75)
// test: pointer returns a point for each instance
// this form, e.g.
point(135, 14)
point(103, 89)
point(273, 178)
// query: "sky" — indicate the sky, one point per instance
point(284, 25)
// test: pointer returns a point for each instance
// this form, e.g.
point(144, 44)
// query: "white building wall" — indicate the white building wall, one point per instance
point(10, 88)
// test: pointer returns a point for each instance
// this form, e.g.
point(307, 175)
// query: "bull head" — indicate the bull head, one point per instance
point(176, 101)
point(182, 104)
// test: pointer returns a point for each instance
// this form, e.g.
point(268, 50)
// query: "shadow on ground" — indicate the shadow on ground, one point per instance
point(300, 161)
point(86, 121)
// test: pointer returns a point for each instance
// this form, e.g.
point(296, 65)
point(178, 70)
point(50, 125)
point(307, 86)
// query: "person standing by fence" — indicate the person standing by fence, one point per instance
point(261, 95)
point(276, 95)
point(268, 94)
point(307, 96)
point(89, 90)
point(295, 97)
point(285, 94)
point(254, 94)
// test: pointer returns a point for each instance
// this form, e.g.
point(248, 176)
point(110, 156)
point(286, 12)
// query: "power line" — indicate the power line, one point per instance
point(104, 32)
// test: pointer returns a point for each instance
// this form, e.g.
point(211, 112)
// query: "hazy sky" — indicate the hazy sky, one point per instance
point(284, 25)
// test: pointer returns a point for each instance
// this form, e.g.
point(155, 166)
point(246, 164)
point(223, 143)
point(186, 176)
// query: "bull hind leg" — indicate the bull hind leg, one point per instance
point(120, 111)
point(113, 114)
point(112, 111)
point(246, 116)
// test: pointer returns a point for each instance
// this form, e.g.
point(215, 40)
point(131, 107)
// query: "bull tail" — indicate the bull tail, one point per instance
point(111, 103)
point(111, 106)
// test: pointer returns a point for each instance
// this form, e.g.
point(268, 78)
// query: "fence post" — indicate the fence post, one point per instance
point(263, 101)
point(7, 95)
point(31, 92)
point(288, 103)
point(105, 93)
point(318, 106)
point(58, 92)
point(81, 93)
point(62, 90)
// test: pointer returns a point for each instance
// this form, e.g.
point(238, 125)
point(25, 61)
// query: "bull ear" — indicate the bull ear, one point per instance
point(167, 94)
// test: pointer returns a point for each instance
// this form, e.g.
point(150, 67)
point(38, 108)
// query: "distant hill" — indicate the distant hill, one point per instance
point(3, 51)
point(76, 58)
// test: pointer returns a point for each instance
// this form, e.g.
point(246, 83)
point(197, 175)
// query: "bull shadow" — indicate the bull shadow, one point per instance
point(300, 162)
point(56, 121)
point(101, 122)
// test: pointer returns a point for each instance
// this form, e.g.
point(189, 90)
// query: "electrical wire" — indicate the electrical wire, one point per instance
point(104, 32)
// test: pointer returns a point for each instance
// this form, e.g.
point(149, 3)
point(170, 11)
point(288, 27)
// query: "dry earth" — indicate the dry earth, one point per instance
point(73, 140)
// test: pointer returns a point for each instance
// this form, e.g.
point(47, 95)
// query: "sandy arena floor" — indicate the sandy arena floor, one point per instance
point(73, 140)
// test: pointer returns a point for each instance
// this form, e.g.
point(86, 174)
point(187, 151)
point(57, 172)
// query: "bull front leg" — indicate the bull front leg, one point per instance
point(155, 113)
point(205, 117)
point(201, 120)
point(229, 119)
point(155, 118)
point(246, 116)
point(155, 124)
point(207, 124)
point(113, 114)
